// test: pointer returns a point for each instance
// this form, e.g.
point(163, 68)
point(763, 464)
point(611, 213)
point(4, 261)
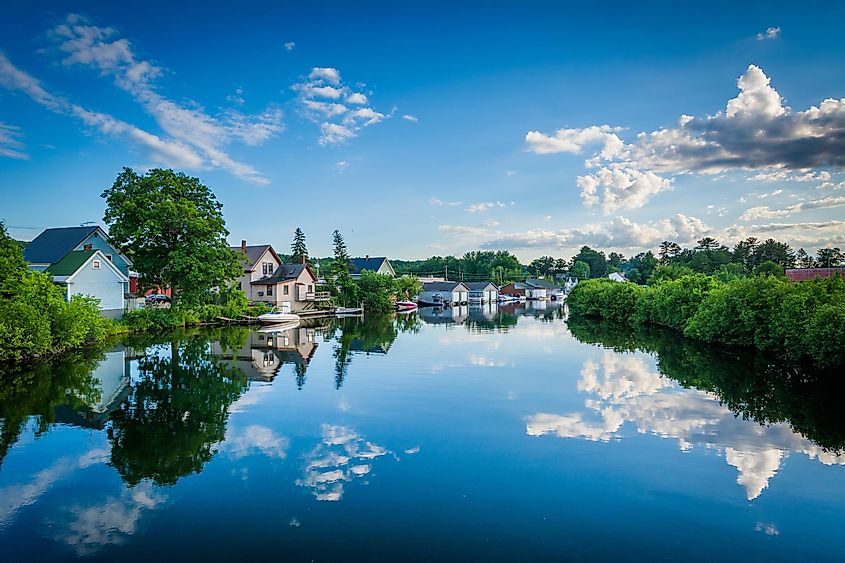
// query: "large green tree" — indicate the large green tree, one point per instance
point(172, 228)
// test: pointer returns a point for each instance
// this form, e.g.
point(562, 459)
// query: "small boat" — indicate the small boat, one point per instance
point(403, 306)
point(344, 311)
point(277, 316)
point(277, 328)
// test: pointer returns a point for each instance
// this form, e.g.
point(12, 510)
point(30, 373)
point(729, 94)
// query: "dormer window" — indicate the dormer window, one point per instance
point(96, 264)
point(88, 247)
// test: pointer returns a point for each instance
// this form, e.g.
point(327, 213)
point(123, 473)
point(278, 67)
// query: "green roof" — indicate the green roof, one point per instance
point(72, 261)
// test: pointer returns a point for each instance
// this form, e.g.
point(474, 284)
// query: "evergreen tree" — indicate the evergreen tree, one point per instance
point(298, 250)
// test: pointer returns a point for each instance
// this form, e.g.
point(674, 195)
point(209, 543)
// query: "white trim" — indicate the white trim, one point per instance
point(103, 260)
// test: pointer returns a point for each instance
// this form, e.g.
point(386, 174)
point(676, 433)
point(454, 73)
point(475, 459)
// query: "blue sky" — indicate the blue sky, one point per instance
point(435, 128)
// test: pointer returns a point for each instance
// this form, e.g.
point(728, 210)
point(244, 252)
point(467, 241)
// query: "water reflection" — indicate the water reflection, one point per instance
point(177, 410)
point(624, 388)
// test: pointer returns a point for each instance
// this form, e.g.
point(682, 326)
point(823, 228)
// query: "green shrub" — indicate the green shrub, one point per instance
point(672, 303)
point(24, 330)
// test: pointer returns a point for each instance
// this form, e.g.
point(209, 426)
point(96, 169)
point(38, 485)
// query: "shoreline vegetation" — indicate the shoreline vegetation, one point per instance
point(172, 227)
point(799, 322)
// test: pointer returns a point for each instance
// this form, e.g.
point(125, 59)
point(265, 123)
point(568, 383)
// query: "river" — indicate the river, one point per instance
point(478, 433)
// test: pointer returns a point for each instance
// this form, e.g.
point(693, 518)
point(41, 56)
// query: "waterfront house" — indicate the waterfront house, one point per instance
point(482, 292)
point(803, 274)
point(377, 264)
point(260, 261)
point(540, 289)
point(617, 277)
point(263, 354)
point(444, 293)
point(91, 273)
point(84, 261)
point(291, 286)
point(516, 289)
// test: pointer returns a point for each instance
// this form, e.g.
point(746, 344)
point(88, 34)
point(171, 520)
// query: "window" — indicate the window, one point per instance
point(96, 264)
point(269, 290)
point(267, 268)
point(88, 247)
point(286, 289)
point(310, 288)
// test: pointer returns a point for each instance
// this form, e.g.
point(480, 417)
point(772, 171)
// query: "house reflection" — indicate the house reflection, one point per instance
point(111, 378)
point(265, 351)
point(444, 315)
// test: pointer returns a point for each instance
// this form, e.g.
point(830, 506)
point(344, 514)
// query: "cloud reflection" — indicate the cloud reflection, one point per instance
point(626, 388)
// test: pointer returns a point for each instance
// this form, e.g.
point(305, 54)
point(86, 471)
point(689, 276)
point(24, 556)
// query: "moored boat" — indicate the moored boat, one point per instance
point(278, 316)
point(406, 306)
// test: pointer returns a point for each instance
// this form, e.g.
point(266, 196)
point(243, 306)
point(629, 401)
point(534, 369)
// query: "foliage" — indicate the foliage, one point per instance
point(177, 412)
point(800, 321)
point(172, 228)
point(35, 318)
point(580, 270)
point(595, 259)
point(500, 267)
point(752, 384)
point(769, 268)
point(298, 250)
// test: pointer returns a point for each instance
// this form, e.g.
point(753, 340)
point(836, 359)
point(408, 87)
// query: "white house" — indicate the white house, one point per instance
point(91, 273)
point(444, 293)
point(482, 292)
point(617, 276)
point(260, 261)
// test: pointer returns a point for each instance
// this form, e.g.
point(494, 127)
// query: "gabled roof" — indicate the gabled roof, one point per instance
point(541, 284)
point(479, 286)
point(285, 272)
point(442, 286)
point(369, 263)
point(254, 253)
point(70, 263)
point(65, 269)
point(53, 244)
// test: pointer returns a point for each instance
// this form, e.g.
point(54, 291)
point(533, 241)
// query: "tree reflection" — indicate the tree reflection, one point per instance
point(373, 335)
point(177, 411)
point(754, 386)
point(37, 389)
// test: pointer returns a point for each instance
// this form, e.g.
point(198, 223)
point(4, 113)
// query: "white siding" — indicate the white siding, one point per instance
point(104, 284)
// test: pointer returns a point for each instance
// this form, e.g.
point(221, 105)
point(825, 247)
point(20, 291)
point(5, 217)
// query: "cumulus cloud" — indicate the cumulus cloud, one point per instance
point(290, 46)
point(342, 111)
point(10, 143)
point(409, 117)
point(193, 138)
point(619, 232)
point(770, 33)
point(756, 131)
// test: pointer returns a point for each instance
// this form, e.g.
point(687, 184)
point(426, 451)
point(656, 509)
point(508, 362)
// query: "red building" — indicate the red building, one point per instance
point(803, 274)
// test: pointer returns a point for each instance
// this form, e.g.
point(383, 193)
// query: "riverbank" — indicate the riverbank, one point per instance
point(800, 321)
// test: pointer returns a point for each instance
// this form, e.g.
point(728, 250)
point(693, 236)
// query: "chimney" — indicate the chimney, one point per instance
point(243, 246)
point(303, 260)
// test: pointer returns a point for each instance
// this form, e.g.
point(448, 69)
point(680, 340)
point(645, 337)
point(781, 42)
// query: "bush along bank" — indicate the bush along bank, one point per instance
point(799, 321)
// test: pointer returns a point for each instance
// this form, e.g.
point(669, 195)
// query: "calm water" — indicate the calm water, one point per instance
point(449, 435)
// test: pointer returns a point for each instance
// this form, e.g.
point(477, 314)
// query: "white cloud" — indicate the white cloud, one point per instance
point(340, 121)
point(755, 131)
point(436, 201)
point(333, 134)
point(356, 98)
point(619, 232)
point(330, 75)
point(770, 33)
point(620, 188)
point(765, 212)
point(255, 439)
point(10, 143)
point(341, 166)
point(484, 206)
point(409, 117)
point(196, 139)
point(290, 45)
